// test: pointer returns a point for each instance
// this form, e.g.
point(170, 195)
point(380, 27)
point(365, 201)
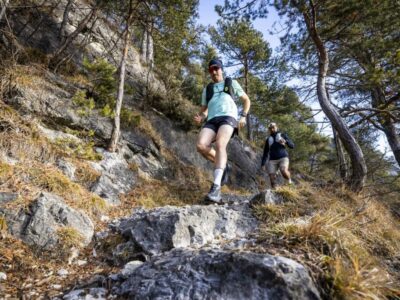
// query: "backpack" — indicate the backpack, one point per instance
point(227, 89)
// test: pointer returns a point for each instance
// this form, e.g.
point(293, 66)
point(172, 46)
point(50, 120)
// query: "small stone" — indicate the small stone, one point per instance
point(62, 272)
point(3, 276)
point(56, 286)
point(104, 218)
point(102, 235)
point(80, 262)
point(130, 267)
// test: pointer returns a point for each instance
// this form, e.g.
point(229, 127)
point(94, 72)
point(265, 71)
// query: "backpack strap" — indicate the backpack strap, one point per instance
point(228, 88)
point(209, 91)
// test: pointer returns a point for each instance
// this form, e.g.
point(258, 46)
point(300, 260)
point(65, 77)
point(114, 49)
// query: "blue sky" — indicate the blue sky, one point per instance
point(208, 16)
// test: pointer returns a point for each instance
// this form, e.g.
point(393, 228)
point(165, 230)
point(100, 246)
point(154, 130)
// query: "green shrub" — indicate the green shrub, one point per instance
point(84, 105)
point(129, 118)
point(102, 75)
point(107, 111)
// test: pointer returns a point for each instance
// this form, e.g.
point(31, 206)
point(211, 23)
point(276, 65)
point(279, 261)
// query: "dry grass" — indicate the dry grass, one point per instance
point(29, 182)
point(32, 276)
point(154, 193)
point(345, 241)
point(19, 138)
point(69, 237)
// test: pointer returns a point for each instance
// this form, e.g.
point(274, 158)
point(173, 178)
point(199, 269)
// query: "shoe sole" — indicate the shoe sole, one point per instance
point(209, 201)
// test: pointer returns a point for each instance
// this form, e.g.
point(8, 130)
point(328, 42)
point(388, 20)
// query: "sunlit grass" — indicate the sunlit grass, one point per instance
point(347, 237)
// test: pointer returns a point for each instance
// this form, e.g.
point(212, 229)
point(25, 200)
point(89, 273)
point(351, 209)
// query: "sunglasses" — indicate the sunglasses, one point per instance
point(212, 69)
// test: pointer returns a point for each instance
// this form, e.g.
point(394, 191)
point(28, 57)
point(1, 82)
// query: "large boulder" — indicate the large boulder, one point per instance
point(46, 215)
point(216, 274)
point(161, 229)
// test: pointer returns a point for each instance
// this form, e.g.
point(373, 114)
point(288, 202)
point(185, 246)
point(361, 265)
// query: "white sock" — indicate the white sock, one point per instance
point(218, 176)
point(290, 181)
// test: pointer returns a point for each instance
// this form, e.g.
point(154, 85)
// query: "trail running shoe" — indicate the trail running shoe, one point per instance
point(225, 175)
point(214, 194)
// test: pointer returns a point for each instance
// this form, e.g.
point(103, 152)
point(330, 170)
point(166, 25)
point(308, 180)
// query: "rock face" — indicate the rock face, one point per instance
point(244, 161)
point(7, 197)
point(215, 274)
point(116, 177)
point(162, 229)
point(46, 215)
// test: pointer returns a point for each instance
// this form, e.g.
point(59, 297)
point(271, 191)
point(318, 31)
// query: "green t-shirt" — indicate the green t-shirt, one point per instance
point(222, 104)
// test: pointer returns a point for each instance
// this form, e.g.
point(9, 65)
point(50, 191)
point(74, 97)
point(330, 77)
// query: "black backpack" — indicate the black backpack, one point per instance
point(227, 89)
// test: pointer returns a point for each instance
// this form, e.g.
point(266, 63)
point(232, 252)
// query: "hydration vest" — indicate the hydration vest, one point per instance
point(227, 89)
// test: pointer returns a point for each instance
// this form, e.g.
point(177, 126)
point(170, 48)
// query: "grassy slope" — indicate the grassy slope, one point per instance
point(351, 243)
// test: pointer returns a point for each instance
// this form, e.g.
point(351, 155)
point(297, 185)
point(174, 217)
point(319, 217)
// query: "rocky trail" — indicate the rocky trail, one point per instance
point(196, 252)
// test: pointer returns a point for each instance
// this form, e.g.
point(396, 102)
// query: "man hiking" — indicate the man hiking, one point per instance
point(276, 154)
point(220, 110)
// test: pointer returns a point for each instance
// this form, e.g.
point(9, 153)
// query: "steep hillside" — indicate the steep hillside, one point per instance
point(77, 220)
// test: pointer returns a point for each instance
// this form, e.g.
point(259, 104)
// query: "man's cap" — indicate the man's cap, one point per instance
point(215, 62)
point(272, 124)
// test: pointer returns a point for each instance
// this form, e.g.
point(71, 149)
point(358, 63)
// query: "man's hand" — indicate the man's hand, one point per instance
point(283, 142)
point(198, 118)
point(242, 122)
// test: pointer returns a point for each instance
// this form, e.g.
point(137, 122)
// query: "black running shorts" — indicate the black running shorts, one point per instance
point(215, 123)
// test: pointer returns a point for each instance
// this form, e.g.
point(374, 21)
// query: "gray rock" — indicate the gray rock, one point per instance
point(3, 276)
point(130, 267)
point(162, 229)
point(55, 135)
point(266, 197)
point(126, 252)
point(7, 197)
point(87, 294)
point(46, 215)
point(212, 274)
point(67, 168)
point(116, 177)
point(245, 165)
point(62, 272)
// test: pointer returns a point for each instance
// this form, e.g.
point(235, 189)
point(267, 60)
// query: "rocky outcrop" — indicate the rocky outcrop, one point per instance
point(216, 274)
point(46, 215)
point(197, 252)
point(104, 40)
point(162, 229)
point(116, 177)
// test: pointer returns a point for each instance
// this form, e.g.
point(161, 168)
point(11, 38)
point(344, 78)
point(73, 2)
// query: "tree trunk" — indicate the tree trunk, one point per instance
point(3, 8)
point(359, 169)
point(65, 19)
point(112, 146)
point(388, 125)
point(343, 169)
point(150, 47)
point(57, 55)
point(246, 89)
point(147, 46)
point(143, 48)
